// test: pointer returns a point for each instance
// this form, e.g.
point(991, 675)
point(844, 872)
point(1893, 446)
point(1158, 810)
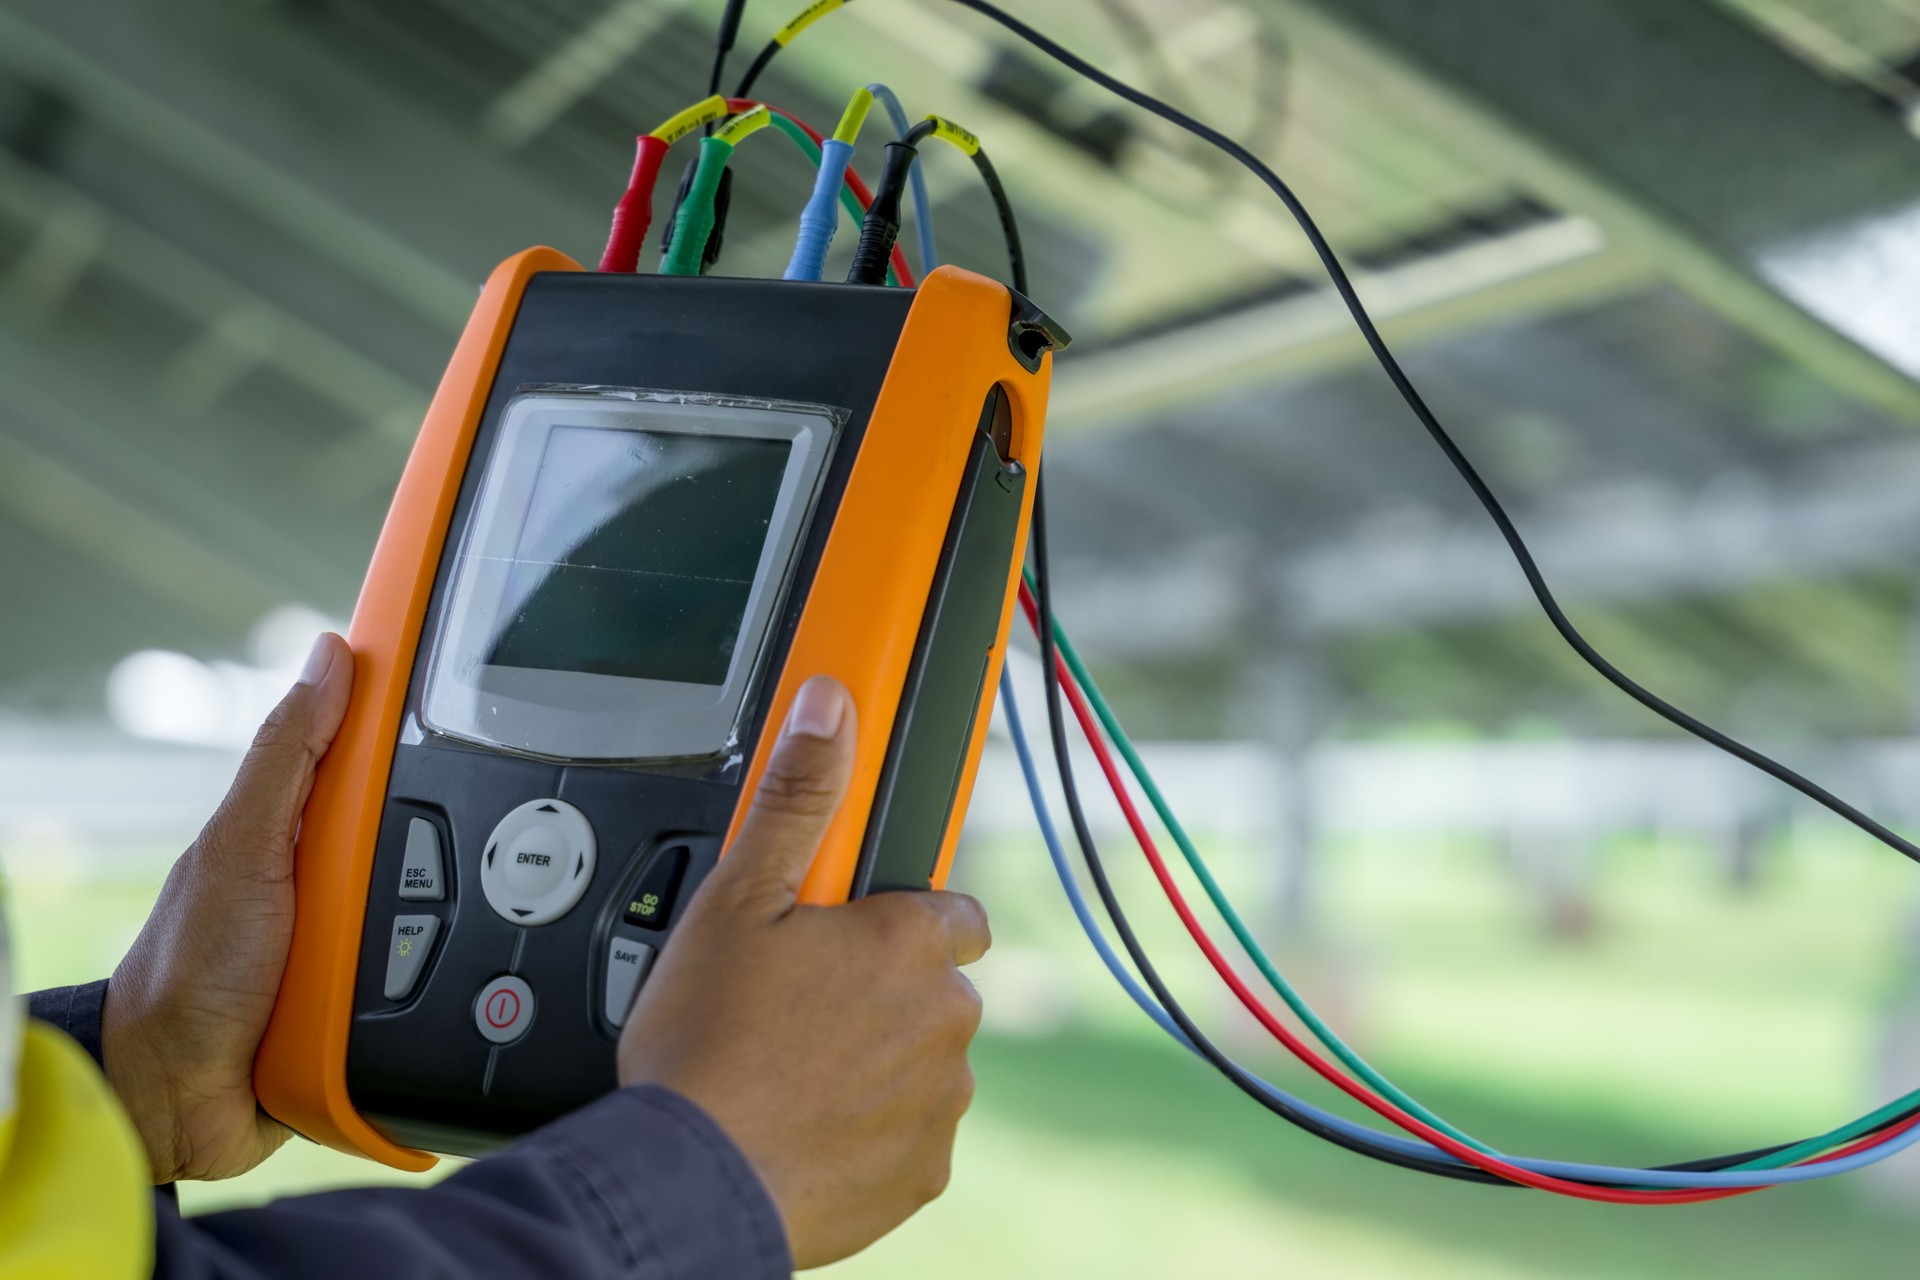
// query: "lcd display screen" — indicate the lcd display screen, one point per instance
point(638, 554)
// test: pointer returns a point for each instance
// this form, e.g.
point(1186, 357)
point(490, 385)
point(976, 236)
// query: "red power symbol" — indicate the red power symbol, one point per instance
point(502, 1009)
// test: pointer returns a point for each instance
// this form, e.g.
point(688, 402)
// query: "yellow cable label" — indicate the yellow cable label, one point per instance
point(804, 19)
point(952, 134)
point(700, 113)
point(853, 117)
point(741, 125)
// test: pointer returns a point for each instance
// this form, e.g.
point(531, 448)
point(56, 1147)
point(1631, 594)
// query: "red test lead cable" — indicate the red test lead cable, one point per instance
point(633, 214)
point(1304, 1052)
point(855, 183)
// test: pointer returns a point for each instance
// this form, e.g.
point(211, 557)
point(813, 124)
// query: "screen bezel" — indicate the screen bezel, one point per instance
point(584, 716)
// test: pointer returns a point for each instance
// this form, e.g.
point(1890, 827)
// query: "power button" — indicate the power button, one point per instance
point(504, 1009)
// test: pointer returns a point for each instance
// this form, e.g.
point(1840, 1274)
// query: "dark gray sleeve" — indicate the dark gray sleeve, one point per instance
point(640, 1184)
point(75, 1010)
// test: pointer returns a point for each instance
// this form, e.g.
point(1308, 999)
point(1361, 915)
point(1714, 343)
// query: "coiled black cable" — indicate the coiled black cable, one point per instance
point(1109, 901)
point(1237, 1075)
point(1517, 545)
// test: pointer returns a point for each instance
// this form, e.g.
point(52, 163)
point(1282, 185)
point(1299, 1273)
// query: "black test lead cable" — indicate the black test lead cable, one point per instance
point(1083, 832)
point(896, 168)
point(900, 158)
point(1009, 227)
point(768, 52)
point(1516, 544)
point(723, 40)
point(1240, 1078)
point(1235, 1074)
point(724, 37)
point(881, 227)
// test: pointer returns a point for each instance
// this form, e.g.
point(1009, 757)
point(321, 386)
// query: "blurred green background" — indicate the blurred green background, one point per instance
point(1654, 261)
point(1690, 1020)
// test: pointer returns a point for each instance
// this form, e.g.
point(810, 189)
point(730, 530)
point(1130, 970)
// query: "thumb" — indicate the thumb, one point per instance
point(798, 795)
point(261, 812)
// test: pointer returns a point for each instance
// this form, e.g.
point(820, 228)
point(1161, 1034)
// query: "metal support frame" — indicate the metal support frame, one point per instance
point(1535, 271)
point(1856, 515)
point(1784, 200)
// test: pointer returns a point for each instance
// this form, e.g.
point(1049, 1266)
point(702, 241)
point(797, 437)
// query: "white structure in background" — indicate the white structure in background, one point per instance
point(97, 786)
point(171, 697)
point(78, 802)
point(76, 796)
point(1570, 788)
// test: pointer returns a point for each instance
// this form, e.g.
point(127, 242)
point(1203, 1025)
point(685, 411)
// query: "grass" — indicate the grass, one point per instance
point(1690, 1020)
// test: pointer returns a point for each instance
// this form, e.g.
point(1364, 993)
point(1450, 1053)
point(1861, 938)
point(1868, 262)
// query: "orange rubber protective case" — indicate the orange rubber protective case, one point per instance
point(859, 623)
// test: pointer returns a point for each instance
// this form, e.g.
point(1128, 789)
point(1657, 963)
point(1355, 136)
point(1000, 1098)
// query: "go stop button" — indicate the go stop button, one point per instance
point(503, 1009)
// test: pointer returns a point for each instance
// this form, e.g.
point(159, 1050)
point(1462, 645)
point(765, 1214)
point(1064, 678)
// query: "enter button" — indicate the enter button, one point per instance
point(536, 861)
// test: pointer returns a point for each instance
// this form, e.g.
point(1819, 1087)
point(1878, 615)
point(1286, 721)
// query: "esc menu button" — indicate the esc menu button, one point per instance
point(421, 876)
point(504, 1009)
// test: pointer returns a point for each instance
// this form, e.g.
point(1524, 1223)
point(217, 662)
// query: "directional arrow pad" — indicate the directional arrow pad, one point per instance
point(538, 862)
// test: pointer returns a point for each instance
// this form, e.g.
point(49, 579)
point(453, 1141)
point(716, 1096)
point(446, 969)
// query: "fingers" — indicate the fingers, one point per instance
point(949, 927)
point(798, 795)
point(965, 921)
point(262, 809)
point(326, 682)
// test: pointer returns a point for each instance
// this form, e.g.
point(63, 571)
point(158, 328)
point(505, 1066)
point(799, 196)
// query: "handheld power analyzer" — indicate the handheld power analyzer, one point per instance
point(642, 510)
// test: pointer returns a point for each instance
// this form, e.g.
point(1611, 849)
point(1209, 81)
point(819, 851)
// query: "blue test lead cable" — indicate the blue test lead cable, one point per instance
point(822, 212)
point(1704, 1174)
point(1612, 1174)
point(1043, 817)
point(916, 179)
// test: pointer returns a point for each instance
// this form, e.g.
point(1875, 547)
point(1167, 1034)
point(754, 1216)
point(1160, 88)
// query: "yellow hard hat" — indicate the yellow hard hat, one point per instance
point(12, 1016)
point(76, 1198)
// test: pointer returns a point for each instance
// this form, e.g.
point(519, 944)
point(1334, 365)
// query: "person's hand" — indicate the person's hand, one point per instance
point(186, 1008)
point(829, 1042)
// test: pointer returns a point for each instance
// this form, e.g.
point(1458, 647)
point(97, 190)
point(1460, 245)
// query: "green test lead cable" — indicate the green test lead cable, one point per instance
point(1745, 1169)
point(1416, 404)
point(1224, 905)
point(1779, 1159)
point(693, 221)
point(744, 125)
point(1763, 1160)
